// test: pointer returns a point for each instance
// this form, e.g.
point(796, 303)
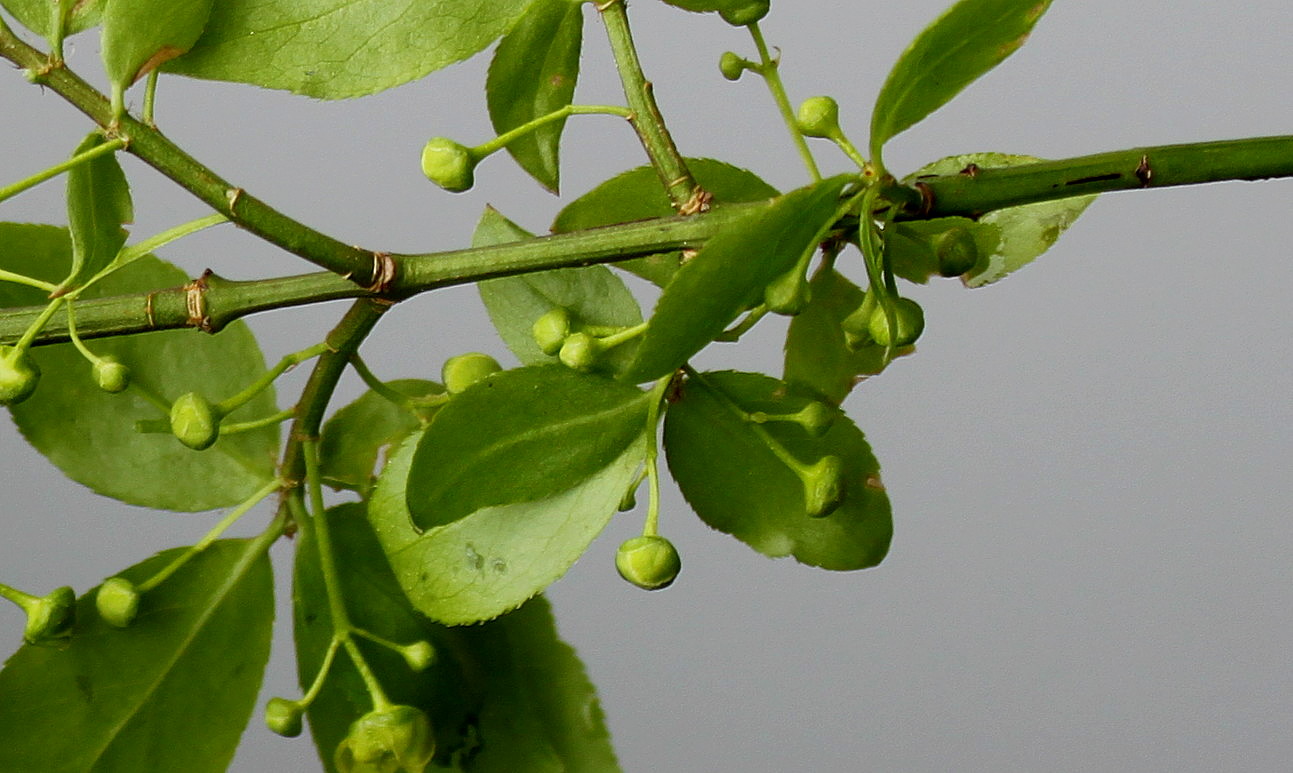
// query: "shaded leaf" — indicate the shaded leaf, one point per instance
point(36, 15)
point(356, 436)
point(90, 434)
point(736, 484)
point(593, 295)
point(1009, 239)
point(171, 692)
point(638, 195)
point(98, 204)
point(728, 275)
point(969, 39)
point(532, 74)
point(817, 354)
point(491, 561)
point(520, 436)
point(334, 49)
point(140, 35)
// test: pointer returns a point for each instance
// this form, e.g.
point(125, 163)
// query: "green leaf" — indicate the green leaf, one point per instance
point(90, 434)
point(1011, 238)
point(593, 295)
point(738, 12)
point(170, 692)
point(969, 39)
point(737, 485)
point(98, 203)
point(481, 566)
point(356, 435)
point(638, 195)
point(540, 713)
point(37, 15)
point(140, 35)
point(817, 355)
point(728, 275)
point(335, 49)
point(533, 73)
point(520, 436)
point(375, 604)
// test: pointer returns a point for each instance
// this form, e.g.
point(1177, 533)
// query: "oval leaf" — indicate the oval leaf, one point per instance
point(35, 15)
point(736, 484)
point(335, 49)
point(493, 560)
point(728, 275)
point(139, 35)
point(533, 73)
point(969, 39)
point(172, 691)
point(98, 204)
point(520, 436)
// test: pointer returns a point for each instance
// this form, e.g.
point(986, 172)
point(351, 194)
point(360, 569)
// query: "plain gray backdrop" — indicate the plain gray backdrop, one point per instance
point(1089, 463)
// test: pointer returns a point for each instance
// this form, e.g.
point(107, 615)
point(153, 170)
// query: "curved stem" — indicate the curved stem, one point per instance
point(9, 191)
point(769, 69)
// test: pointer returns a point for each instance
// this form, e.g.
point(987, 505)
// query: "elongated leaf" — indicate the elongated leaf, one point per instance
point(533, 73)
point(90, 434)
point(140, 35)
point(335, 49)
point(171, 692)
point(738, 485)
point(592, 295)
point(354, 438)
point(969, 39)
point(817, 354)
point(98, 204)
point(1011, 238)
point(638, 195)
point(36, 15)
point(521, 436)
point(728, 275)
point(491, 561)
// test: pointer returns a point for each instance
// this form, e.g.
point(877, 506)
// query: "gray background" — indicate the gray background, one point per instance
point(1088, 462)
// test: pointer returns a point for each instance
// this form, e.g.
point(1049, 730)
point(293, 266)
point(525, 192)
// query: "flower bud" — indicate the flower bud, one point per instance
point(448, 164)
point(956, 250)
point(823, 486)
point(788, 294)
point(816, 418)
point(393, 740)
point(650, 562)
point(909, 319)
point(419, 655)
point(464, 370)
point(50, 618)
point(110, 375)
point(746, 14)
point(117, 601)
point(194, 421)
point(551, 329)
point(732, 65)
point(580, 351)
point(283, 717)
point(19, 375)
point(819, 117)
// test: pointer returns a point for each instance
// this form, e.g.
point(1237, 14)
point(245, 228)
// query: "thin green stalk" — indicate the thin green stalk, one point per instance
point(234, 428)
point(155, 242)
point(560, 114)
point(404, 402)
point(9, 191)
point(769, 69)
point(9, 276)
point(651, 527)
point(774, 445)
point(226, 407)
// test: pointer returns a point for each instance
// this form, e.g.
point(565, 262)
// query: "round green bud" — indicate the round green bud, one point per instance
point(551, 329)
point(448, 164)
point(788, 294)
point(732, 65)
point(110, 375)
point(819, 117)
point(824, 487)
point(856, 326)
point(284, 717)
point(395, 739)
point(419, 655)
point(19, 375)
point(579, 351)
point(956, 250)
point(464, 370)
point(194, 421)
point(117, 601)
point(909, 319)
point(746, 14)
point(651, 563)
point(50, 618)
point(816, 418)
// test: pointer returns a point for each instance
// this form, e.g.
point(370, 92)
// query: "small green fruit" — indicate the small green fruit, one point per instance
point(732, 65)
point(194, 421)
point(819, 117)
point(824, 487)
point(856, 326)
point(956, 250)
point(788, 294)
point(419, 655)
point(448, 164)
point(393, 740)
point(464, 370)
point(110, 375)
point(551, 329)
point(284, 717)
point(651, 563)
point(909, 319)
point(746, 14)
point(117, 601)
point(19, 375)
point(579, 351)
point(50, 618)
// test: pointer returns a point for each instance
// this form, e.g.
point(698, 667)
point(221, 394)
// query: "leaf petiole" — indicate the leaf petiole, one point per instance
point(111, 146)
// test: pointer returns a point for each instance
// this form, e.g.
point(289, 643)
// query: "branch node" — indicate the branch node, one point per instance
point(232, 195)
point(699, 201)
point(384, 273)
point(195, 304)
point(1144, 172)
